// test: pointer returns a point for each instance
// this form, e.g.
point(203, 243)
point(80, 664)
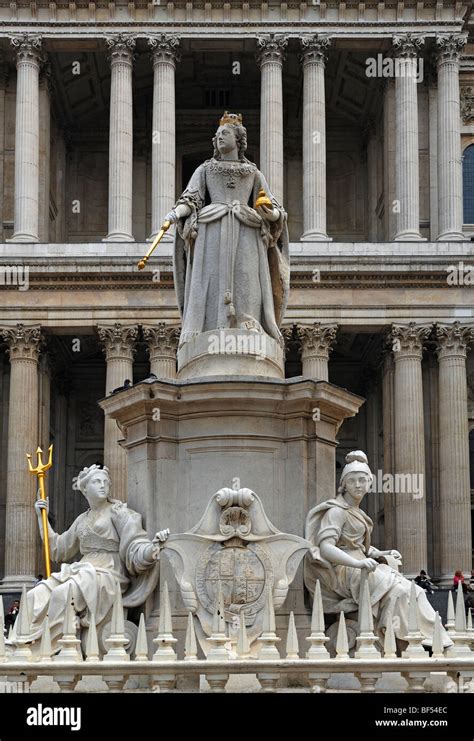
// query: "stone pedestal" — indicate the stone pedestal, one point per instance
point(185, 441)
point(231, 352)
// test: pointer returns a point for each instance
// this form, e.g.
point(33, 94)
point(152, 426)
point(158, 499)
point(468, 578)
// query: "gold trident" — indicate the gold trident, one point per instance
point(40, 471)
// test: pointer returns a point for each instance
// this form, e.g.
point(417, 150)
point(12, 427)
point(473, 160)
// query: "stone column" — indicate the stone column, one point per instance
point(388, 409)
point(118, 341)
point(450, 205)
point(163, 153)
point(314, 138)
point(407, 176)
point(120, 139)
point(28, 62)
point(455, 497)
point(317, 342)
point(270, 58)
point(44, 151)
point(21, 526)
point(162, 341)
point(408, 484)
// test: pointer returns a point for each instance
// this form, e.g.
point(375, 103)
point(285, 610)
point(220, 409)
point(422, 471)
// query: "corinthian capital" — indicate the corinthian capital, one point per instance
point(29, 48)
point(271, 48)
point(453, 339)
point(314, 48)
point(24, 343)
point(407, 45)
point(449, 47)
point(162, 339)
point(164, 48)
point(407, 340)
point(120, 48)
point(118, 340)
point(317, 339)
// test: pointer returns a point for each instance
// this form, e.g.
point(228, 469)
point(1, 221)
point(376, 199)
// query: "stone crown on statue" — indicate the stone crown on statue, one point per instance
point(231, 118)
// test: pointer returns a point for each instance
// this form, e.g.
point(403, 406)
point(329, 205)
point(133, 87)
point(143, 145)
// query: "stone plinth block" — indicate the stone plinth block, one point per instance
point(185, 439)
point(229, 352)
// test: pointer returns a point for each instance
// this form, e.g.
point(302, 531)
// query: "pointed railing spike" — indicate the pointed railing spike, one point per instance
point(437, 646)
point(141, 648)
point(460, 615)
point(190, 644)
point(415, 637)
point(243, 645)
point(318, 636)
point(165, 640)
point(292, 647)
point(390, 644)
point(92, 643)
point(451, 617)
point(117, 641)
point(342, 642)
point(45, 647)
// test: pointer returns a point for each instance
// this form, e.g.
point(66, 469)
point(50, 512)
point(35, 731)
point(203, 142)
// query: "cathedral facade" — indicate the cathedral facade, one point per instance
point(361, 117)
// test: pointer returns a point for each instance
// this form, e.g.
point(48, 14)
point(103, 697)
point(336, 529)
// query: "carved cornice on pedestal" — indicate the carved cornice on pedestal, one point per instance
point(24, 342)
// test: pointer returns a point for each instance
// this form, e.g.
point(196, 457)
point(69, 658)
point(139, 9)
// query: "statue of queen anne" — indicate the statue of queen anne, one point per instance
point(231, 264)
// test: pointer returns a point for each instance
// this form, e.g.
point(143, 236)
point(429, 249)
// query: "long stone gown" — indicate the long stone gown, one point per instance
point(112, 549)
point(231, 265)
point(340, 585)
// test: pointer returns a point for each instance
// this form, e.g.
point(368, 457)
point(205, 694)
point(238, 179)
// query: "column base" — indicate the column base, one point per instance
point(118, 237)
point(452, 237)
point(409, 236)
point(23, 237)
point(16, 583)
point(315, 236)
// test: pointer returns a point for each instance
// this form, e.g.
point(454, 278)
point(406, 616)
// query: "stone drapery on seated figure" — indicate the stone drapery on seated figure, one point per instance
point(340, 533)
point(114, 550)
point(231, 261)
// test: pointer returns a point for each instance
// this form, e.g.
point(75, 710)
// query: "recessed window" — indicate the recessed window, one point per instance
point(468, 184)
point(217, 98)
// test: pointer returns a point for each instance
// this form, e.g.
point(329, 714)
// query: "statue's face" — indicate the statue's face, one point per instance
point(225, 139)
point(357, 484)
point(98, 487)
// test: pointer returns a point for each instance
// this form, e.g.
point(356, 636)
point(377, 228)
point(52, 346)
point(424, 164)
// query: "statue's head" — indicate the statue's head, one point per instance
point(231, 135)
point(356, 478)
point(94, 482)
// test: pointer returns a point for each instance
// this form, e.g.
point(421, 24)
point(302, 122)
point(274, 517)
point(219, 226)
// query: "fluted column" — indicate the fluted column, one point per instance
point(163, 153)
point(120, 139)
point(388, 409)
point(162, 341)
point(450, 205)
point(21, 527)
point(314, 138)
point(28, 62)
point(406, 47)
point(317, 342)
point(270, 58)
point(118, 341)
point(409, 494)
point(455, 497)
